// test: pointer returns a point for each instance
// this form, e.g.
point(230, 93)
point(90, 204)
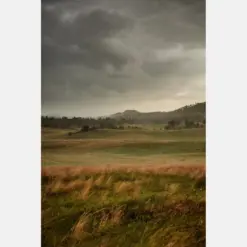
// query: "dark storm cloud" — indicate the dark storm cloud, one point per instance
point(80, 28)
point(96, 56)
point(81, 39)
point(109, 53)
point(179, 22)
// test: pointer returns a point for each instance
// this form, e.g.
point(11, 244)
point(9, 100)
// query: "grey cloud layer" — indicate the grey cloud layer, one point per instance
point(104, 52)
point(80, 39)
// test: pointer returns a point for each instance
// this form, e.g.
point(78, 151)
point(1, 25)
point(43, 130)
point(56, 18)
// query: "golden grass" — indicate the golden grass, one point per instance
point(100, 180)
point(106, 188)
point(173, 188)
point(103, 221)
point(84, 193)
point(123, 187)
point(109, 204)
point(82, 227)
point(131, 188)
point(104, 196)
point(110, 219)
point(109, 181)
point(70, 171)
point(59, 186)
point(117, 216)
point(75, 184)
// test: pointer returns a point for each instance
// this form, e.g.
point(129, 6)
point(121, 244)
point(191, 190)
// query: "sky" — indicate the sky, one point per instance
point(105, 56)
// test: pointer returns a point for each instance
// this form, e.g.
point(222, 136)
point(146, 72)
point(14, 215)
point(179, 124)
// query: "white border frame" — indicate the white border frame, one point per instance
point(21, 110)
point(20, 106)
point(226, 100)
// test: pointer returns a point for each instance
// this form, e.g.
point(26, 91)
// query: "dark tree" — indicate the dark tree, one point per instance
point(85, 128)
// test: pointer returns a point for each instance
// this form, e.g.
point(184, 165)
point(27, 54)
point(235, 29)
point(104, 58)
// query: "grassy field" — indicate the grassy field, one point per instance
point(123, 147)
point(109, 188)
point(150, 206)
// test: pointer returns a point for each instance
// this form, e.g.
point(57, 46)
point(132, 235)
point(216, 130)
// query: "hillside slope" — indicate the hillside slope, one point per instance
point(194, 112)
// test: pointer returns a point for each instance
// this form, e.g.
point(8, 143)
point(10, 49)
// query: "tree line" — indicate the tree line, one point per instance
point(87, 124)
point(185, 124)
point(78, 122)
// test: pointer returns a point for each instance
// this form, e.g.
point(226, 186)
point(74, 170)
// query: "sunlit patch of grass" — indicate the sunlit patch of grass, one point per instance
point(82, 228)
point(84, 193)
point(59, 186)
point(100, 180)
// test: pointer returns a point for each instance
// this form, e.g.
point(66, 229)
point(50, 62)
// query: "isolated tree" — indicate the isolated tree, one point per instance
point(172, 123)
point(189, 124)
point(85, 128)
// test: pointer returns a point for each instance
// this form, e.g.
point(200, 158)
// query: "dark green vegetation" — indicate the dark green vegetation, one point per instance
point(125, 207)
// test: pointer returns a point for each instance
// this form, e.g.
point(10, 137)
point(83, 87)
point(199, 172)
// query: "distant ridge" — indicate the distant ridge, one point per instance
point(194, 112)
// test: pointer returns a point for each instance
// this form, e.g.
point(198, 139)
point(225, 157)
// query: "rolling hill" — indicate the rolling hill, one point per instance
point(195, 112)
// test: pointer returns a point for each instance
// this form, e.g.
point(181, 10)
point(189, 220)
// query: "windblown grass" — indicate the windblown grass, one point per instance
point(123, 206)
